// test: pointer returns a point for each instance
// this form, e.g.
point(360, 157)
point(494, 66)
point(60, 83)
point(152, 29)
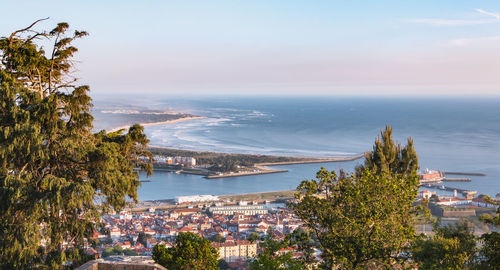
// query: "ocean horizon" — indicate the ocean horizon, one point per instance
point(450, 134)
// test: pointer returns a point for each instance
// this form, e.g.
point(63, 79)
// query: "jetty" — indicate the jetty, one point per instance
point(448, 179)
point(464, 192)
point(312, 160)
point(236, 174)
point(465, 173)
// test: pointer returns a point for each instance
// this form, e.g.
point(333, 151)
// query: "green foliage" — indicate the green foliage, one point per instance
point(56, 177)
point(143, 238)
point(367, 218)
point(305, 243)
point(358, 218)
point(190, 252)
point(390, 158)
point(129, 252)
point(453, 247)
point(493, 219)
point(270, 257)
point(253, 237)
point(214, 158)
point(222, 264)
point(219, 238)
point(490, 251)
point(111, 251)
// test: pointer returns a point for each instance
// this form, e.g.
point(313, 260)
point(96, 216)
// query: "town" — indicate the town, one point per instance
point(228, 227)
point(227, 224)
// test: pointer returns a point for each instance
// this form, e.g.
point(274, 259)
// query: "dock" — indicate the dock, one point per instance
point(464, 192)
point(465, 173)
point(226, 175)
point(448, 179)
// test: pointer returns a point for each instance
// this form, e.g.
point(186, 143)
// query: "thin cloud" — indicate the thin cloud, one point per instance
point(459, 22)
point(482, 11)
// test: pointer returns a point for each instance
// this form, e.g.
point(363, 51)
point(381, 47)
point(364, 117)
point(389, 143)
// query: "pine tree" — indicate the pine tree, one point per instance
point(366, 218)
point(56, 176)
point(391, 158)
point(359, 219)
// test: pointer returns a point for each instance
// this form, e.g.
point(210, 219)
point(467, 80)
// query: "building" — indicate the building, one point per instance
point(184, 161)
point(235, 250)
point(425, 194)
point(185, 212)
point(243, 210)
point(195, 198)
point(431, 176)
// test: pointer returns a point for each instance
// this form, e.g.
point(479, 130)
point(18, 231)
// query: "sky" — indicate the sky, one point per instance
point(359, 48)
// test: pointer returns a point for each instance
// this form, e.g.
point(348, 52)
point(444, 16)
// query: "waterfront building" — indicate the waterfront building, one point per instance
point(195, 198)
point(242, 210)
point(431, 176)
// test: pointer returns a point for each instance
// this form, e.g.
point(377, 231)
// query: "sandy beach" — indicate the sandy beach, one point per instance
point(159, 123)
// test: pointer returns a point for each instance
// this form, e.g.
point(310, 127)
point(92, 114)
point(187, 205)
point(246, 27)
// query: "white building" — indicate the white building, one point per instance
point(196, 198)
point(243, 210)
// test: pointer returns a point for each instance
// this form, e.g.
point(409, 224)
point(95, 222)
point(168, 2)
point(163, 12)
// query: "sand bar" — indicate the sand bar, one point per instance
point(159, 123)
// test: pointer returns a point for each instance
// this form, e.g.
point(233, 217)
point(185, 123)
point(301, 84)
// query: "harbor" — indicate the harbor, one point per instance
point(466, 193)
point(434, 178)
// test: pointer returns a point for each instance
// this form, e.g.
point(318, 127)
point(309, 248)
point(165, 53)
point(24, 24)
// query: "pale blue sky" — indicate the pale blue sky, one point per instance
point(279, 47)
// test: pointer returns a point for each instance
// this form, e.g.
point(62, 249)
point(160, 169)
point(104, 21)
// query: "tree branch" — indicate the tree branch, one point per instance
point(24, 29)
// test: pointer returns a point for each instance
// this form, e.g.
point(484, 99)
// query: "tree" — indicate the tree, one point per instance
point(143, 238)
point(253, 237)
point(305, 243)
point(219, 238)
point(364, 218)
point(490, 251)
point(358, 218)
point(391, 158)
point(129, 252)
point(110, 251)
point(272, 258)
point(56, 177)
point(493, 219)
point(452, 247)
point(222, 264)
point(190, 252)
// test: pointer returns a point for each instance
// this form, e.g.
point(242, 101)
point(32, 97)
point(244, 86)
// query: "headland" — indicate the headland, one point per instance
point(222, 165)
point(148, 124)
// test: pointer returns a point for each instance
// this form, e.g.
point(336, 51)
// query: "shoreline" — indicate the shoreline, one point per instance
point(279, 196)
point(311, 160)
point(182, 119)
point(263, 169)
point(238, 174)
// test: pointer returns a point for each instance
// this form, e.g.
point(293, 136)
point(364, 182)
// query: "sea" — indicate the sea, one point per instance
point(450, 134)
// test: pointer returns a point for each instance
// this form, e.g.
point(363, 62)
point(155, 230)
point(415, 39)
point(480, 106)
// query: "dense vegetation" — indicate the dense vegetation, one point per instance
point(190, 252)
point(56, 177)
point(388, 157)
point(227, 159)
point(365, 218)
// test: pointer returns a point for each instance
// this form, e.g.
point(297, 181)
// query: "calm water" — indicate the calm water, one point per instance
point(449, 134)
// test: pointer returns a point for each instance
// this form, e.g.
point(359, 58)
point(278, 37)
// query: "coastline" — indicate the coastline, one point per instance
point(158, 123)
point(312, 160)
point(278, 196)
point(263, 169)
